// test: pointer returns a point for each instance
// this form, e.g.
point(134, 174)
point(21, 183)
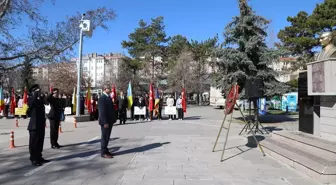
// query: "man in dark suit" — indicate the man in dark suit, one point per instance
point(123, 104)
point(107, 117)
point(36, 126)
point(54, 116)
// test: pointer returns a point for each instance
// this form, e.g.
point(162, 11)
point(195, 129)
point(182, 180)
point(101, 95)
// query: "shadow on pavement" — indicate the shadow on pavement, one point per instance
point(271, 118)
point(141, 148)
point(83, 154)
point(251, 143)
point(272, 128)
point(89, 142)
point(192, 118)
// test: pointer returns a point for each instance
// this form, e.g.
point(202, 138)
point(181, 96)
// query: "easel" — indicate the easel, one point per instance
point(231, 102)
point(256, 123)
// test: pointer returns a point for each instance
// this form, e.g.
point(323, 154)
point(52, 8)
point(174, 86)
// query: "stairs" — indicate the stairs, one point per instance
point(305, 153)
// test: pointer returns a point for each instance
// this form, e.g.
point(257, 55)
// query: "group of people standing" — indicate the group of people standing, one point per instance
point(106, 108)
point(38, 116)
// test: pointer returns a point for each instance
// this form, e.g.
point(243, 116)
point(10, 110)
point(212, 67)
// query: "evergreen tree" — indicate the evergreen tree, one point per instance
point(148, 43)
point(27, 73)
point(246, 54)
point(202, 53)
point(301, 38)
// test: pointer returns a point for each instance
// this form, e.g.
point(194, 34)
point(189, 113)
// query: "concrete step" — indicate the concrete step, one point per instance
point(314, 146)
point(308, 139)
point(312, 164)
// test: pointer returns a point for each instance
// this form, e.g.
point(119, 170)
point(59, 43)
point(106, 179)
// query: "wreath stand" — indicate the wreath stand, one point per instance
point(230, 103)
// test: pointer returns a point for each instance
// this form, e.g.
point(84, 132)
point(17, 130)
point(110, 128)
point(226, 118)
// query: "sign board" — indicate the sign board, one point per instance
point(21, 111)
point(170, 110)
point(67, 111)
point(139, 111)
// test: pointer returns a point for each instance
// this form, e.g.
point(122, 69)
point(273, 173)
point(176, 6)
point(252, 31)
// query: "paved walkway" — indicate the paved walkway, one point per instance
point(147, 153)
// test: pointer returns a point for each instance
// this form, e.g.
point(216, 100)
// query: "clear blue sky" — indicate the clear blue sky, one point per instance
point(195, 19)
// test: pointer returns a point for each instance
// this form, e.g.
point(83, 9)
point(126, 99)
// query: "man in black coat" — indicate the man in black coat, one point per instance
point(36, 126)
point(123, 104)
point(107, 117)
point(54, 116)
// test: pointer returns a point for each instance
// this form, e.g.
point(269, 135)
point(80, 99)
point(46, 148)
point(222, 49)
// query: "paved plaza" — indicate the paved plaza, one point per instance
point(146, 153)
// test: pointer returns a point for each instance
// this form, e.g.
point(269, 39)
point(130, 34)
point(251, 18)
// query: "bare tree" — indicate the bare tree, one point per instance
point(42, 42)
point(182, 73)
point(64, 76)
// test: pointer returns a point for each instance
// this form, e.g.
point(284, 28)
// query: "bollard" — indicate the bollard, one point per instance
point(60, 129)
point(11, 142)
point(17, 122)
point(75, 123)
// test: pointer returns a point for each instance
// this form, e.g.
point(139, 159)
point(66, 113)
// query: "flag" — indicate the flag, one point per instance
point(74, 100)
point(2, 100)
point(157, 102)
point(50, 88)
point(25, 96)
point(13, 103)
point(184, 100)
point(114, 97)
point(151, 98)
point(88, 100)
point(129, 95)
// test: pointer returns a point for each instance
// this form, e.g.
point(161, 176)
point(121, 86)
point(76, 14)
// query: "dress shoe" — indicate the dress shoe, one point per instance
point(55, 147)
point(35, 163)
point(42, 160)
point(107, 156)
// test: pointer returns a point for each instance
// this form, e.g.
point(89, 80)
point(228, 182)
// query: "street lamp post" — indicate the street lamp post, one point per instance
point(85, 27)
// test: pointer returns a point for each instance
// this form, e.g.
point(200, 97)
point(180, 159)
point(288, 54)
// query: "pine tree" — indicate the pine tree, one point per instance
point(244, 53)
point(146, 44)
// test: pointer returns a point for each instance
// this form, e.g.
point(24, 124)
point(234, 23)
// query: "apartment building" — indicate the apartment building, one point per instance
point(101, 68)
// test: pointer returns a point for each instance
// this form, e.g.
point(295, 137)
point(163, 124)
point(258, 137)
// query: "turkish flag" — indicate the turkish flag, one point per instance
point(151, 98)
point(25, 96)
point(13, 102)
point(114, 97)
point(184, 100)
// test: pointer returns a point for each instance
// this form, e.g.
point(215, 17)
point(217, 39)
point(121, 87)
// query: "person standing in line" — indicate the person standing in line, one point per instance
point(179, 108)
point(175, 99)
point(36, 126)
point(147, 106)
point(7, 104)
point(160, 107)
point(170, 103)
point(107, 117)
point(54, 116)
point(123, 103)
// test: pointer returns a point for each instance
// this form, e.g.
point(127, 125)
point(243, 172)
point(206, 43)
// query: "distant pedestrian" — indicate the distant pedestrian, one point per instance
point(36, 126)
point(123, 103)
point(107, 117)
point(170, 103)
point(179, 107)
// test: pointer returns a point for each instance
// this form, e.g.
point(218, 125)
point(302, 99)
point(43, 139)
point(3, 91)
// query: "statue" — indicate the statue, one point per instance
point(328, 47)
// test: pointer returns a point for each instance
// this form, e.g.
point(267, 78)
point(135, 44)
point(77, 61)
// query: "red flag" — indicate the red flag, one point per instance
point(13, 102)
point(50, 88)
point(151, 97)
point(25, 96)
point(184, 100)
point(114, 97)
point(88, 100)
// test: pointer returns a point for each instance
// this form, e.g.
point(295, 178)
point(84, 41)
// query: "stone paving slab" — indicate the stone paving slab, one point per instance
point(147, 153)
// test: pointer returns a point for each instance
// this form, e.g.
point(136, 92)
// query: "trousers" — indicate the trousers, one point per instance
point(122, 116)
point(54, 126)
point(36, 141)
point(105, 138)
